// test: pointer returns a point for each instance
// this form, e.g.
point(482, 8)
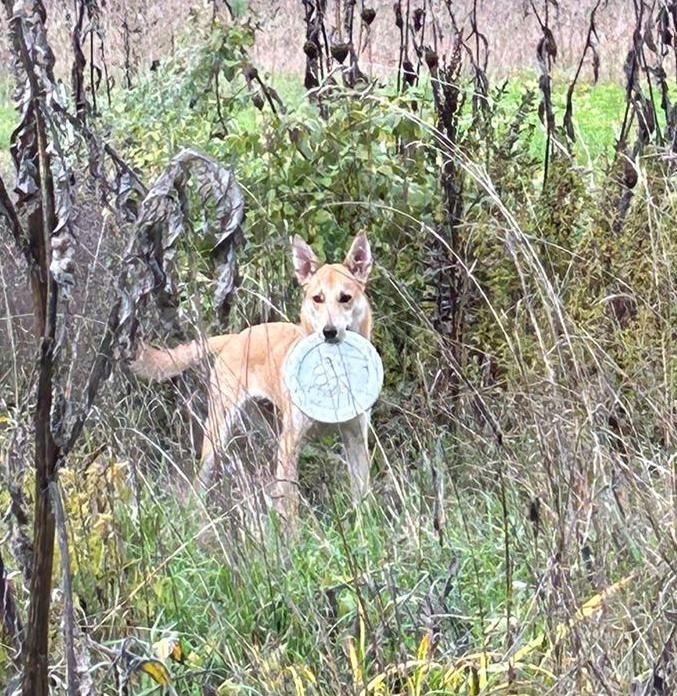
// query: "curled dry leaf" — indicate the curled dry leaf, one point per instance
point(164, 220)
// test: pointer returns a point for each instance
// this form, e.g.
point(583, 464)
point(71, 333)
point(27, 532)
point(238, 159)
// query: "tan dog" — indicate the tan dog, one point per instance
point(249, 366)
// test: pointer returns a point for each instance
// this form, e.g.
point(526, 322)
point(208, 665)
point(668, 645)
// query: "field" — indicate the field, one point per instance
point(519, 536)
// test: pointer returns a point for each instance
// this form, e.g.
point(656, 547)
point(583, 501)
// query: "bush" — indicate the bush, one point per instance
point(516, 537)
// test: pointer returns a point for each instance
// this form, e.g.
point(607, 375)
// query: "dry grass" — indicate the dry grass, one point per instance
point(510, 27)
point(520, 536)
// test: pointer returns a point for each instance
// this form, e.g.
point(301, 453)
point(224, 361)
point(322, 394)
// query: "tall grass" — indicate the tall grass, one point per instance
point(519, 537)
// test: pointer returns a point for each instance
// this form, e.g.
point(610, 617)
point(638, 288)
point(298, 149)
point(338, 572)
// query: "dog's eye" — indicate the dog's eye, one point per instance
point(343, 298)
point(318, 298)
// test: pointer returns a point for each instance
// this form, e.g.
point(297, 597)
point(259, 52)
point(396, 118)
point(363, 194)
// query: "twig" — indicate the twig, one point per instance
point(72, 676)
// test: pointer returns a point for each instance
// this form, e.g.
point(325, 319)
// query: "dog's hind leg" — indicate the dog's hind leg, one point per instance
point(354, 434)
point(222, 415)
point(211, 444)
point(294, 426)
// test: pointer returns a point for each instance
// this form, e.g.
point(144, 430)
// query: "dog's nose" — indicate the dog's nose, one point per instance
point(330, 333)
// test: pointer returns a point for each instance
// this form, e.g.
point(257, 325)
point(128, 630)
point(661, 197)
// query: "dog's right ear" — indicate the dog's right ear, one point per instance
point(305, 261)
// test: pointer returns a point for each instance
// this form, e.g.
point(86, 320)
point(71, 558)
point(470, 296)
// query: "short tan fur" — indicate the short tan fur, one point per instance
point(249, 366)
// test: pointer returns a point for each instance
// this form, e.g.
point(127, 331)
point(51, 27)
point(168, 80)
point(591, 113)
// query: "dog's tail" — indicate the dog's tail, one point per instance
point(159, 364)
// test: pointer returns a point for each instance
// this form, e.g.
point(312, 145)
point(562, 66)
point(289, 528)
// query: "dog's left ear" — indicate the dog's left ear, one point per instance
point(358, 260)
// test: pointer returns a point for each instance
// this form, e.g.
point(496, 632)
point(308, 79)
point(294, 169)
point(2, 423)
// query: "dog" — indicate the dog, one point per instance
point(249, 366)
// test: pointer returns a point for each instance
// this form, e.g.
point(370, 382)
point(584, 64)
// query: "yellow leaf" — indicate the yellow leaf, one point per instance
point(298, 682)
point(177, 653)
point(195, 659)
point(596, 602)
point(363, 629)
point(354, 662)
point(374, 686)
point(156, 671)
point(169, 647)
point(532, 646)
point(309, 675)
point(424, 647)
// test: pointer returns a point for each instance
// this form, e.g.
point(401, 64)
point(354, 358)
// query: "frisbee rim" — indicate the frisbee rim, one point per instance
point(295, 358)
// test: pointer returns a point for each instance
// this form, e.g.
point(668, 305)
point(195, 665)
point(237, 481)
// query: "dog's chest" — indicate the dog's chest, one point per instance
point(318, 430)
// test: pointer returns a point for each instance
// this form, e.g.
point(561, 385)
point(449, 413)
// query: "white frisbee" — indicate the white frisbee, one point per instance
point(333, 382)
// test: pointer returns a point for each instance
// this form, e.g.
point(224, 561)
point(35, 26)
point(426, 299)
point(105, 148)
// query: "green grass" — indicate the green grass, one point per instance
point(349, 596)
point(8, 122)
point(597, 115)
point(354, 595)
point(250, 605)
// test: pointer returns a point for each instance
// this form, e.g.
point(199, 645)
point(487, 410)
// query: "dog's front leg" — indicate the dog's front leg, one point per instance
point(354, 434)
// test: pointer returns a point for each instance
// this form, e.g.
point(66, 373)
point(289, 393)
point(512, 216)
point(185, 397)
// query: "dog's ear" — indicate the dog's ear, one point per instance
point(358, 260)
point(305, 261)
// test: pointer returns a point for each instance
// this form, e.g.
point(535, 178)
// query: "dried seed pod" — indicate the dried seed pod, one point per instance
point(257, 100)
point(419, 18)
point(397, 9)
point(310, 81)
point(250, 72)
point(368, 15)
point(535, 511)
point(310, 49)
point(339, 51)
point(630, 174)
point(408, 72)
point(547, 47)
point(431, 59)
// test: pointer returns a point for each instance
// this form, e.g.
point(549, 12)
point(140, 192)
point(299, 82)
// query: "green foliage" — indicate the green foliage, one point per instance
point(352, 588)
point(369, 162)
point(7, 124)
point(565, 316)
point(598, 114)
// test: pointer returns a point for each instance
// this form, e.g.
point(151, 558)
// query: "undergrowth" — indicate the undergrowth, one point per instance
point(519, 537)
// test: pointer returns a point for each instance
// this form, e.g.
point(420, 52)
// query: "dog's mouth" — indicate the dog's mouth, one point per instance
point(336, 339)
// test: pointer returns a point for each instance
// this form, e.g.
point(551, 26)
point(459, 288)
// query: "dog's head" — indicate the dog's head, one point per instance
point(334, 294)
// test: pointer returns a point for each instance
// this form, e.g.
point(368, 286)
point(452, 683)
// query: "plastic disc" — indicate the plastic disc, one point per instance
point(333, 382)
